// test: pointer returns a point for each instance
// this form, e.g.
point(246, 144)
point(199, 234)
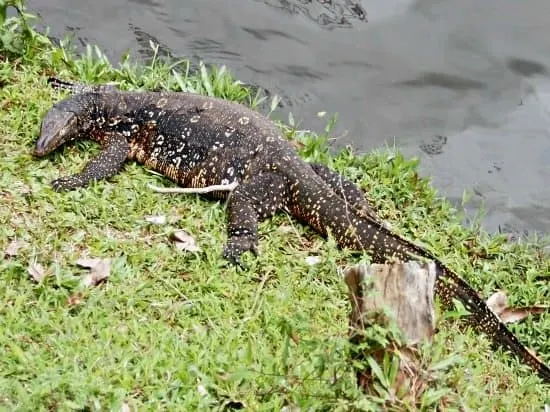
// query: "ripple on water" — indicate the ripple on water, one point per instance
point(326, 14)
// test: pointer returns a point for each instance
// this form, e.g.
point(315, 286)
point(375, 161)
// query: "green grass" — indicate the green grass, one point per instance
point(183, 331)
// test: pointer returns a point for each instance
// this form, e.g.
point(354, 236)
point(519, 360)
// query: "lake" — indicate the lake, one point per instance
point(463, 85)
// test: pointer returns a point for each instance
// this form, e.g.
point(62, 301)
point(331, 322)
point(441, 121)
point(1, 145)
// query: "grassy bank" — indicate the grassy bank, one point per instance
point(179, 330)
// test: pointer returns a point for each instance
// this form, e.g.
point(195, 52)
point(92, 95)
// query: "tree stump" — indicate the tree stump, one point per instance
point(399, 293)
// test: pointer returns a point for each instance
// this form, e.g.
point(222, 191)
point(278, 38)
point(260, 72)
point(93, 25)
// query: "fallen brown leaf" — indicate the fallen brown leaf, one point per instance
point(184, 241)
point(297, 144)
point(75, 300)
point(156, 220)
point(517, 315)
point(313, 260)
point(185, 275)
point(37, 272)
point(498, 303)
point(14, 247)
point(100, 270)
point(201, 389)
point(125, 407)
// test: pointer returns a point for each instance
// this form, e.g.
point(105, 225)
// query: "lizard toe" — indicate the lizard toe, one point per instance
point(66, 183)
point(235, 261)
point(237, 245)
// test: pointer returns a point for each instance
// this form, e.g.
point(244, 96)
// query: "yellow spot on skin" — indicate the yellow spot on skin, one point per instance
point(161, 102)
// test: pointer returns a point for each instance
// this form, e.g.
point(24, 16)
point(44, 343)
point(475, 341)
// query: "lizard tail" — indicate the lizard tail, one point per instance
point(450, 286)
point(321, 208)
point(56, 83)
point(80, 88)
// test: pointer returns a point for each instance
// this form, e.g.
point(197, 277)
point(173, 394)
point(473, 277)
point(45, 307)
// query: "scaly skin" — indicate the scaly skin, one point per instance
point(202, 141)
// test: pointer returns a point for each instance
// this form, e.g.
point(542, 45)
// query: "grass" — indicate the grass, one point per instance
point(182, 331)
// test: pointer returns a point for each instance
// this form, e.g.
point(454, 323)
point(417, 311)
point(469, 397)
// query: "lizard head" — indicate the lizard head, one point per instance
point(58, 127)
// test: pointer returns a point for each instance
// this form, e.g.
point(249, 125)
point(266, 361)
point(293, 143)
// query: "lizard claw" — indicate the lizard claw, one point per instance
point(235, 261)
point(236, 246)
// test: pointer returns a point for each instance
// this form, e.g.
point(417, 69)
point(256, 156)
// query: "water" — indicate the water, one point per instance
point(464, 85)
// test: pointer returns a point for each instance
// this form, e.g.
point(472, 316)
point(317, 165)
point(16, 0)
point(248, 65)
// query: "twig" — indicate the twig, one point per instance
point(194, 190)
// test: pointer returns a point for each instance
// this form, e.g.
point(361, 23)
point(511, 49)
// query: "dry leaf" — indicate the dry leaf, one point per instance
point(297, 144)
point(518, 314)
point(37, 272)
point(88, 263)
point(100, 269)
point(202, 390)
point(14, 247)
point(156, 220)
point(75, 300)
point(295, 337)
point(498, 303)
point(313, 260)
point(184, 241)
point(185, 275)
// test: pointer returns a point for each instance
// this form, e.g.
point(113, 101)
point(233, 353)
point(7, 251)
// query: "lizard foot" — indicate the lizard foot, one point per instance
point(237, 245)
point(68, 183)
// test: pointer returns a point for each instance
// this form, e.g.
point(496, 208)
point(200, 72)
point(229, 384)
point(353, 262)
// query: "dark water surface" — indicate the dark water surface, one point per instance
point(465, 84)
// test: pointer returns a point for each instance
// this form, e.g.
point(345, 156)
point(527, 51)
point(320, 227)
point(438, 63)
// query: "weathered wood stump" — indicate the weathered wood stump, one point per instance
point(380, 294)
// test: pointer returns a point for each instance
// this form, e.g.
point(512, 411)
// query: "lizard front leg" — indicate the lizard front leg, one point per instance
point(256, 199)
point(106, 164)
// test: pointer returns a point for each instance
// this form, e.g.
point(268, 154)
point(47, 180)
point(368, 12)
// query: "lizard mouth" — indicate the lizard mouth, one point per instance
point(40, 150)
point(44, 146)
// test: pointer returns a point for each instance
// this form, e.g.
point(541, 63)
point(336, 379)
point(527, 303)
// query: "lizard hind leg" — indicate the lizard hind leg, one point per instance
point(348, 191)
point(253, 200)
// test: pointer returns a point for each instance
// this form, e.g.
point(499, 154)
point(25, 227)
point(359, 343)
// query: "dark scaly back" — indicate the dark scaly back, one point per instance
point(313, 204)
point(195, 140)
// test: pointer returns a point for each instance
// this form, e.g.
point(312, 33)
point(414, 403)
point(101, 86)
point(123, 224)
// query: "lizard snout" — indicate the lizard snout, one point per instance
point(57, 128)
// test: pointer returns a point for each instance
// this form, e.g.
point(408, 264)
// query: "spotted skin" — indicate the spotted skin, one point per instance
point(201, 141)
point(106, 164)
point(77, 88)
point(348, 191)
point(258, 198)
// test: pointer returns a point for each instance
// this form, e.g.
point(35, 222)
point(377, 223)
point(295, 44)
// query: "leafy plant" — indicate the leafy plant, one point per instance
point(17, 37)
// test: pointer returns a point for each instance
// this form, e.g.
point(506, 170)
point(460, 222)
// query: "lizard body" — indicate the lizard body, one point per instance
point(200, 141)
